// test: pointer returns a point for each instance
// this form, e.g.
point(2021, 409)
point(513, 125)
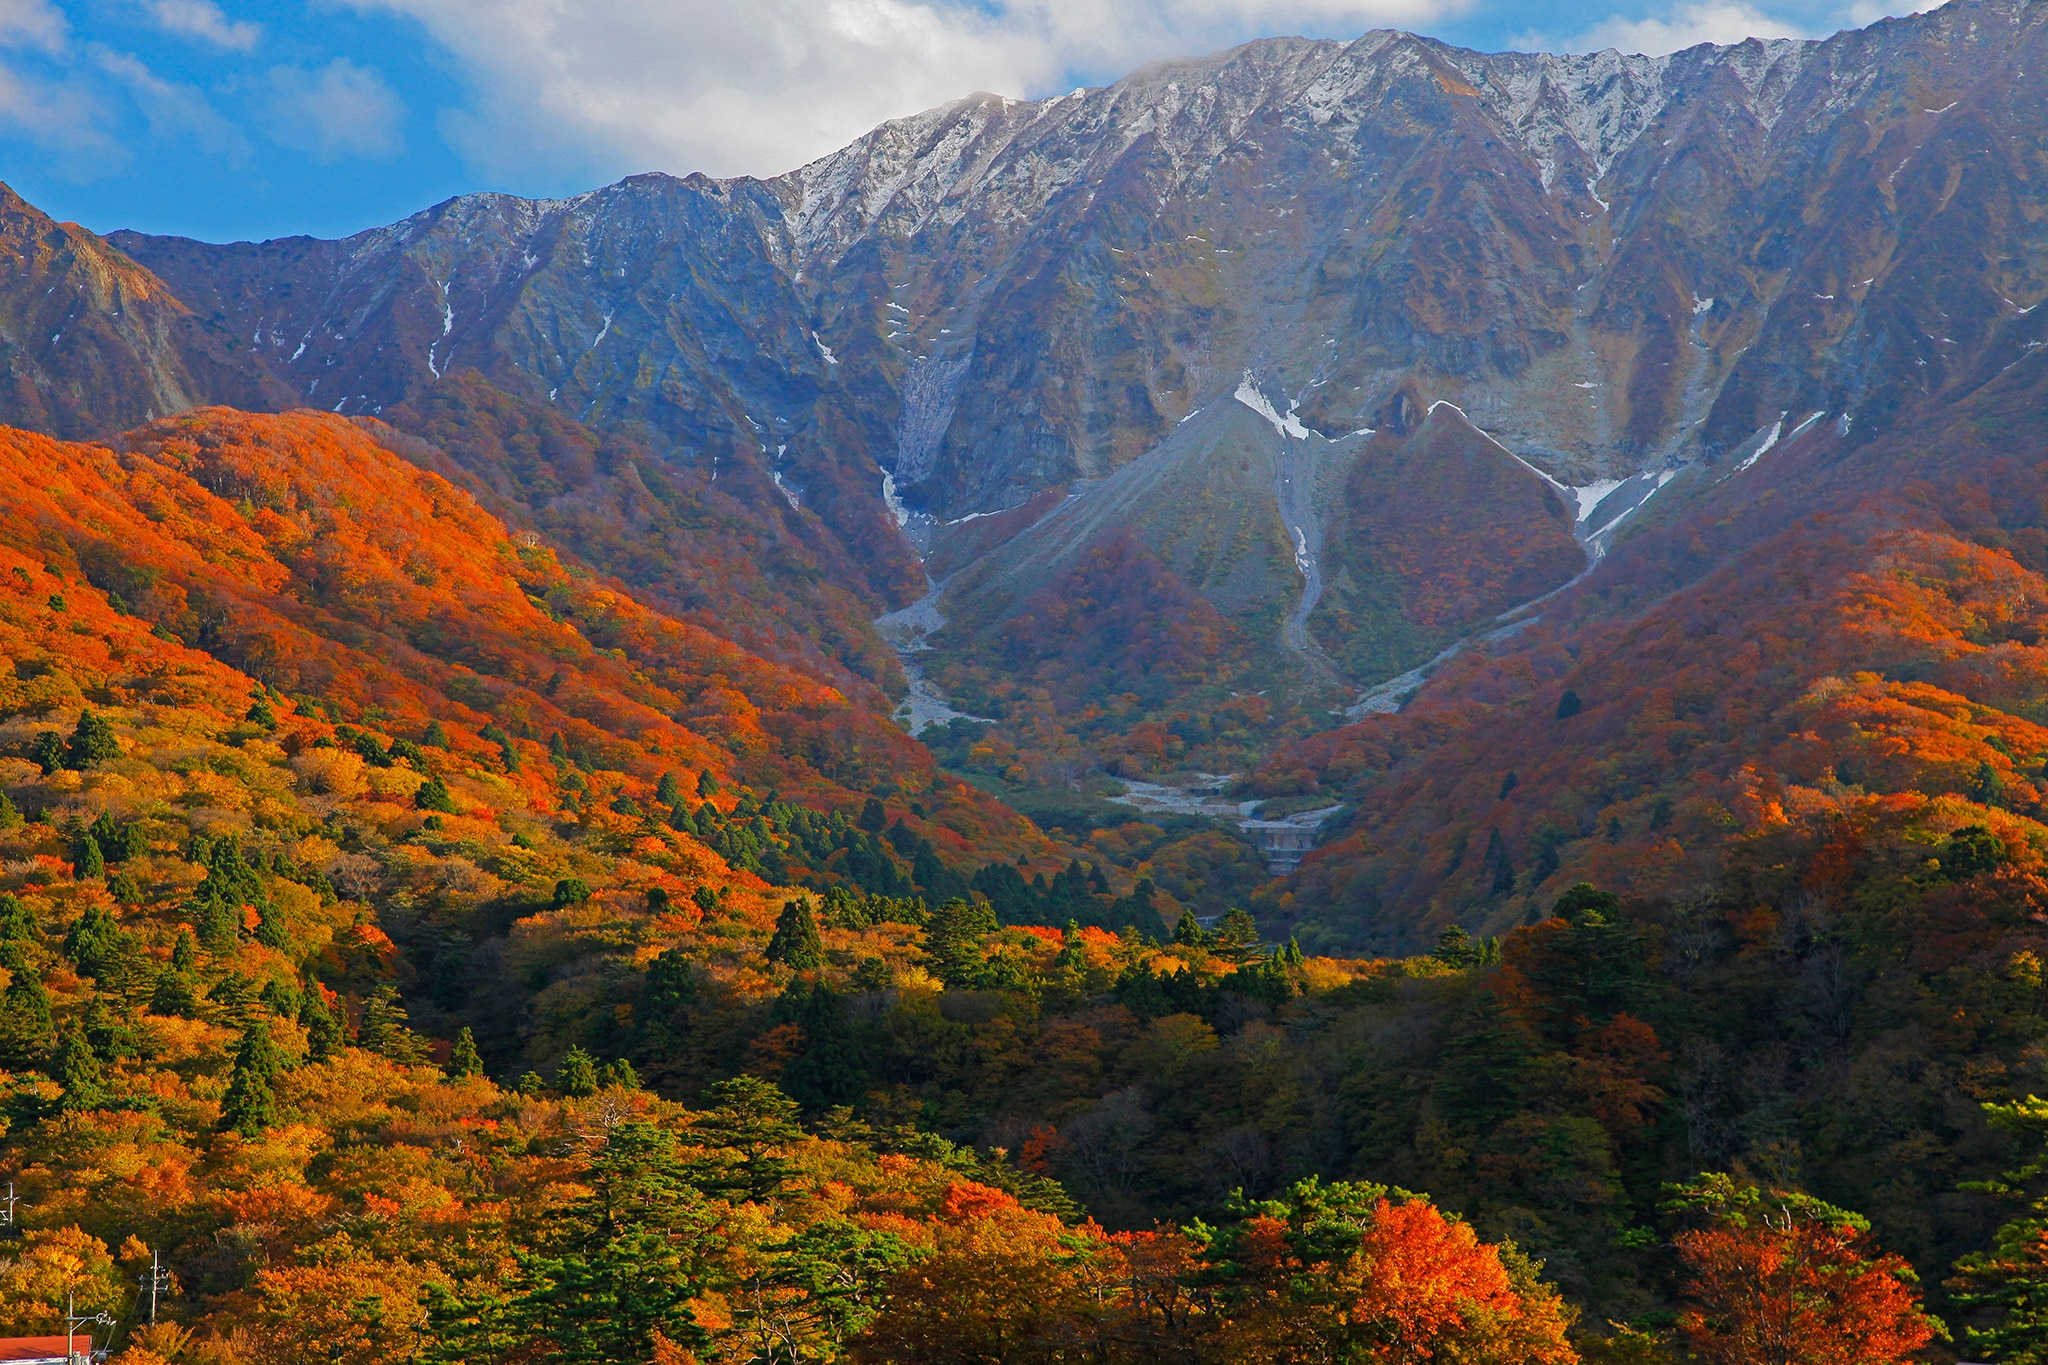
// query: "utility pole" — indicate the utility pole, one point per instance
point(73, 1320)
point(156, 1280)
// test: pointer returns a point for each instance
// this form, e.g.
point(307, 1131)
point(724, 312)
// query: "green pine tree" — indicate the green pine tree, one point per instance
point(1189, 932)
point(1454, 948)
point(618, 1075)
point(25, 1033)
point(625, 1261)
point(96, 942)
point(464, 1059)
point(91, 861)
point(670, 791)
point(434, 795)
point(10, 814)
point(270, 930)
point(77, 1069)
point(1237, 937)
point(436, 736)
point(175, 996)
point(185, 953)
point(229, 886)
point(47, 749)
point(954, 937)
point(796, 943)
point(251, 1103)
point(92, 741)
point(747, 1126)
point(578, 1076)
point(386, 1028)
point(325, 1035)
point(17, 922)
point(282, 998)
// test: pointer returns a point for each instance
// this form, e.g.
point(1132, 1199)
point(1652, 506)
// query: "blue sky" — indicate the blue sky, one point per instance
point(229, 119)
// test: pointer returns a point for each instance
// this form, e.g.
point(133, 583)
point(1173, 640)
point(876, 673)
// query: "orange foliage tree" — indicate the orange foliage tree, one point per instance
point(1356, 1272)
point(1777, 1278)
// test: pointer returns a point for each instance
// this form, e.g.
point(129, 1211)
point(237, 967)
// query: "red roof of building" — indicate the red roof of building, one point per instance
point(41, 1348)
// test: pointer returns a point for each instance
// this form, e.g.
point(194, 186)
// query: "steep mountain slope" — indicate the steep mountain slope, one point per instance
point(1831, 628)
point(253, 538)
point(90, 342)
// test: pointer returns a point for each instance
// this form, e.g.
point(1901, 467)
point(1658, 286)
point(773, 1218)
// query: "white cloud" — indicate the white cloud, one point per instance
point(172, 110)
point(203, 20)
point(331, 112)
point(1867, 12)
point(759, 86)
point(1684, 26)
point(68, 118)
point(32, 23)
point(44, 105)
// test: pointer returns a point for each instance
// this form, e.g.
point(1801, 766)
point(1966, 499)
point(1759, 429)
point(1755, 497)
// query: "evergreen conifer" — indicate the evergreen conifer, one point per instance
point(25, 1034)
point(578, 1076)
point(324, 1033)
point(796, 943)
point(92, 741)
point(77, 1069)
point(954, 937)
point(250, 1106)
point(386, 1027)
point(464, 1059)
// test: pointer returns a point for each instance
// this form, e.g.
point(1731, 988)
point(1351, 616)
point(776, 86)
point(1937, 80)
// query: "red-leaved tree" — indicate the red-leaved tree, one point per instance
point(1777, 1278)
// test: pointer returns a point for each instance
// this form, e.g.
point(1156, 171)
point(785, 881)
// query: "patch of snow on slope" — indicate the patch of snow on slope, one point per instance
point(1249, 395)
point(894, 503)
point(1590, 496)
point(1777, 428)
point(788, 493)
point(824, 350)
point(1663, 478)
